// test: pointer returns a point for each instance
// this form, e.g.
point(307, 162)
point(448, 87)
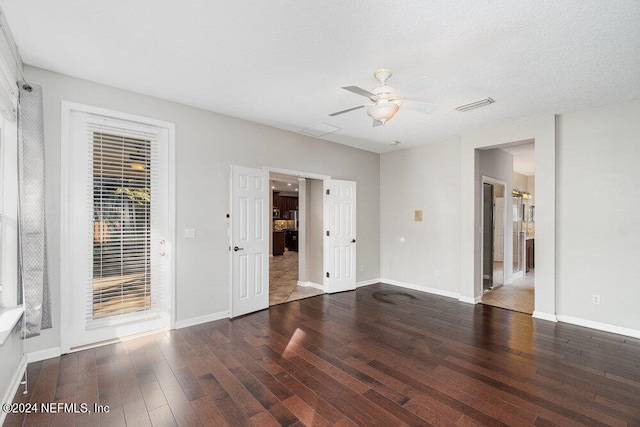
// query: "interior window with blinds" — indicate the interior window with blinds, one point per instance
point(121, 187)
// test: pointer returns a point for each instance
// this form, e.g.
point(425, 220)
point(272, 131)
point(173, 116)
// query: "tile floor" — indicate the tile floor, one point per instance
point(283, 280)
point(517, 296)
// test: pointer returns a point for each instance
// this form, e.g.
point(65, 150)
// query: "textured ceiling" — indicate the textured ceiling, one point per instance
point(282, 63)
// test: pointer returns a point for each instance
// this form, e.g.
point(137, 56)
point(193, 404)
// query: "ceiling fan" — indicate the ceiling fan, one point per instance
point(385, 101)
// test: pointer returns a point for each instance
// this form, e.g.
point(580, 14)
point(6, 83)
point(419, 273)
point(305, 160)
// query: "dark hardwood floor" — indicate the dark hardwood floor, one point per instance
point(378, 356)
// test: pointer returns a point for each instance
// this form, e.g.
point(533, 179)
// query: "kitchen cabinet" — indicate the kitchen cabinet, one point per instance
point(530, 253)
point(291, 240)
point(278, 243)
point(283, 204)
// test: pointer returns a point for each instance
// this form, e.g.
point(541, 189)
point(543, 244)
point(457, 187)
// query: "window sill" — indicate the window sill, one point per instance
point(9, 317)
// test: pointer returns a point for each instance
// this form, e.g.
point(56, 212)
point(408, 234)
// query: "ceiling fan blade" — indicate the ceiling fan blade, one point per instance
point(376, 123)
point(359, 91)
point(416, 86)
point(346, 111)
point(419, 106)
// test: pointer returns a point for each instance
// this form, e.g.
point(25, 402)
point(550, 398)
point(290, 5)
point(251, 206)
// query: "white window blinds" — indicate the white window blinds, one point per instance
point(124, 277)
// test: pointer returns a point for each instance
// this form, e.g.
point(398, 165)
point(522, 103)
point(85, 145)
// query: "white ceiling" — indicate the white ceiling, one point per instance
point(284, 183)
point(282, 63)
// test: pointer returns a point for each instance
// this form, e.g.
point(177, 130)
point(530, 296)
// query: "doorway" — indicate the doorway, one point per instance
point(296, 208)
point(518, 292)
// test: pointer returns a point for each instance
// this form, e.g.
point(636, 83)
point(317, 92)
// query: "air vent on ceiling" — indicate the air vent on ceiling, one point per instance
point(476, 104)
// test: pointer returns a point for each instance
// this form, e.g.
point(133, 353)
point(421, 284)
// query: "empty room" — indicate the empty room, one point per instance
point(319, 213)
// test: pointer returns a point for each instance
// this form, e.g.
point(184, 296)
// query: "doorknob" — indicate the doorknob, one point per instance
point(353, 240)
point(235, 248)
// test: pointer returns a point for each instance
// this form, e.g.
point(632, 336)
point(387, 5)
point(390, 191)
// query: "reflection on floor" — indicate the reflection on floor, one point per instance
point(283, 280)
point(517, 296)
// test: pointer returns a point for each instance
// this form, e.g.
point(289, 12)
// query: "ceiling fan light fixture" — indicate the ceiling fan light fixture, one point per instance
point(383, 111)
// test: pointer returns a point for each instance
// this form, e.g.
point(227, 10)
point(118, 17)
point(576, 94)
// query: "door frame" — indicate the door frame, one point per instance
point(66, 165)
point(489, 180)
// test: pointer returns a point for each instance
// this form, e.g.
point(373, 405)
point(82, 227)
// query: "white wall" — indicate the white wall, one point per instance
point(531, 188)
point(598, 236)
point(520, 182)
point(424, 178)
point(206, 144)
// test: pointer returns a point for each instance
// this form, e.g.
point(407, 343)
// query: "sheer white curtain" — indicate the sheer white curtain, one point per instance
point(32, 236)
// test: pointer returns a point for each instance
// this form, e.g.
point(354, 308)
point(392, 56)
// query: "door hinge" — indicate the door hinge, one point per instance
point(328, 233)
point(327, 274)
point(328, 191)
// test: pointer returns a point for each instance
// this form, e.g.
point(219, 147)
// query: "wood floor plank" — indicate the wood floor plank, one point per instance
point(208, 412)
point(162, 417)
point(304, 412)
point(176, 398)
point(311, 398)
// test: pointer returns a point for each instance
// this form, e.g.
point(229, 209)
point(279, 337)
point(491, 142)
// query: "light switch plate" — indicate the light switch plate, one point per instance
point(190, 233)
point(417, 216)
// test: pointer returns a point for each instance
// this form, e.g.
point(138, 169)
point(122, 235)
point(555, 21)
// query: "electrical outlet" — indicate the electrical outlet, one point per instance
point(417, 216)
point(436, 273)
point(595, 299)
point(362, 267)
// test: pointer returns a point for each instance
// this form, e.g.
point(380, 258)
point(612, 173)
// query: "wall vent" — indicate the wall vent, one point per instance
point(476, 104)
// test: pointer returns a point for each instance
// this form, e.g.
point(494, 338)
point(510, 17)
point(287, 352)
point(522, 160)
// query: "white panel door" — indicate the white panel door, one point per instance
point(340, 235)
point(117, 243)
point(249, 240)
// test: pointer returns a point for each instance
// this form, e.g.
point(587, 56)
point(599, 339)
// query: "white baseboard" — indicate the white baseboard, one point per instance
point(202, 319)
point(14, 384)
point(414, 287)
point(36, 356)
point(368, 282)
point(600, 326)
point(470, 300)
point(544, 316)
point(310, 285)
